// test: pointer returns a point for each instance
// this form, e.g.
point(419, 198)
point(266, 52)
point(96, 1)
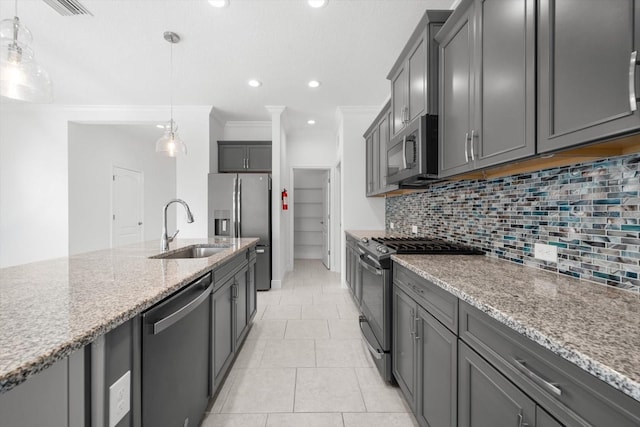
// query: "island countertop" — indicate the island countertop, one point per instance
point(51, 308)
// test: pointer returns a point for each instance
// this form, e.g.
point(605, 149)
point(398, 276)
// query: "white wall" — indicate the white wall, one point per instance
point(358, 211)
point(247, 131)
point(216, 133)
point(93, 152)
point(34, 193)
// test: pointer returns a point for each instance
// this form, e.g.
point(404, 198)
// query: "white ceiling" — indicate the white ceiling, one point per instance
point(119, 56)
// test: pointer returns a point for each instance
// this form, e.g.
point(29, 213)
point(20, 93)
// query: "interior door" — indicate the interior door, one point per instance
point(326, 220)
point(127, 195)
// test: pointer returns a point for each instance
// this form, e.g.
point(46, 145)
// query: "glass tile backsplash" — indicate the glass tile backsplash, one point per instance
point(590, 211)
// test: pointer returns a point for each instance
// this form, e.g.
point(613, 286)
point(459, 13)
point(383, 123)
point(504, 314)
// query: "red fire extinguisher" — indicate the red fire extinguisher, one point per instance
point(285, 202)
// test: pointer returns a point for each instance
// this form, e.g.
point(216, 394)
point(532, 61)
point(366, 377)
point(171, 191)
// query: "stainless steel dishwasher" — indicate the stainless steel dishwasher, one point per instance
point(175, 357)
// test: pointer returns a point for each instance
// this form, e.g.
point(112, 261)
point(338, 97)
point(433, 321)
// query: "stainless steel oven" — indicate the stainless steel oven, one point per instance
point(375, 309)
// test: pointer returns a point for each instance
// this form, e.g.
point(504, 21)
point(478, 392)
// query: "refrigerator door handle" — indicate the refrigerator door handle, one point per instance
point(239, 207)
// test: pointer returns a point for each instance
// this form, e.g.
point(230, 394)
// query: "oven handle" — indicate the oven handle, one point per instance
point(373, 270)
point(374, 351)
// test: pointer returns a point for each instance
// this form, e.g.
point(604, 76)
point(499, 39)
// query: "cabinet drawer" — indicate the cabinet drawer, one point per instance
point(228, 269)
point(439, 303)
point(559, 386)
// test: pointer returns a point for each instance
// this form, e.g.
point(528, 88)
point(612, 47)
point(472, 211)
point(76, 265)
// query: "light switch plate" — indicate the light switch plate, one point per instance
point(545, 252)
point(392, 225)
point(414, 229)
point(119, 399)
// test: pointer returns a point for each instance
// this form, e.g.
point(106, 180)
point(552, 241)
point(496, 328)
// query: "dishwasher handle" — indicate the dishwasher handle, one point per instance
point(183, 311)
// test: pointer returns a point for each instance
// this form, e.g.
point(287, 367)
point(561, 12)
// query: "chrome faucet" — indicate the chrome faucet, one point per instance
point(165, 237)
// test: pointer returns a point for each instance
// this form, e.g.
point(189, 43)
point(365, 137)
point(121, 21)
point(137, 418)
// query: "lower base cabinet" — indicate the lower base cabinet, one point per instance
point(424, 362)
point(487, 398)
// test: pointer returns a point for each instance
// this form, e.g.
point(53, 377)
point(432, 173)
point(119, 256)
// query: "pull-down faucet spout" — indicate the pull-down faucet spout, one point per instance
point(165, 239)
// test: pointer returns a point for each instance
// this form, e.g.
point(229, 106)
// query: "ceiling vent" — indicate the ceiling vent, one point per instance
point(68, 7)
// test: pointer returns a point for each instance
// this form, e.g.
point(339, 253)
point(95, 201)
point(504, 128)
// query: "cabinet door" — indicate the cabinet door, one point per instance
point(259, 158)
point(240, 295)
point(398, 100)
point(437, 372)
point(584, 51)
point(455, 96)
point(543, 419)
point(375, 160)
point(231, 158)
point(504, 63)
point(251, 291)
point(417, 79)
point(403, 346)
point(369, 164)
point(486, 398)
point(223, 339)
point(383, 132)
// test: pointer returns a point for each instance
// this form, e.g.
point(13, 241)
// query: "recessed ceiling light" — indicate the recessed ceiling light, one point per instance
point(219, 3)
point(255, 83)
point(314, 83)
point(311, 122)
point(317, 3)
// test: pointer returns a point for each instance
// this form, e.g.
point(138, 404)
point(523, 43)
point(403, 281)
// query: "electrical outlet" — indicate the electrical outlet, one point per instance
point(414, 229)
point(392, 225)
point(545, 252)
point(119, 399)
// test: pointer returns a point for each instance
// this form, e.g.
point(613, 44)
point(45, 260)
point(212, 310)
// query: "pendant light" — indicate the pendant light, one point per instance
point(170, 143)
point(21, 77)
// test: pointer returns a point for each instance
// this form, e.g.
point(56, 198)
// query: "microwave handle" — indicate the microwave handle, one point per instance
point(404, 152)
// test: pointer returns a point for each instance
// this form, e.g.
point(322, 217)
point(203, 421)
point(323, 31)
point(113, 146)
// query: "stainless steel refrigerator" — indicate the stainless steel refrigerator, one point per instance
point(240, 206)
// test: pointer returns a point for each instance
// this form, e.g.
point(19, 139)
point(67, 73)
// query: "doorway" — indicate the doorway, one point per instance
point(311, 215)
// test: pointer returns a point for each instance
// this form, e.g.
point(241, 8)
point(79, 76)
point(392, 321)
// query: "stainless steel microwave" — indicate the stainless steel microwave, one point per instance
point(412, 156)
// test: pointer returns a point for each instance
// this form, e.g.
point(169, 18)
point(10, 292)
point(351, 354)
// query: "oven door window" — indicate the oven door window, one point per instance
point(373, 298)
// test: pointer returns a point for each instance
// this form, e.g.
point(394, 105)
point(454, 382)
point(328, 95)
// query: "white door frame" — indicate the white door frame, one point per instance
point(141, 201)
point(335, 215)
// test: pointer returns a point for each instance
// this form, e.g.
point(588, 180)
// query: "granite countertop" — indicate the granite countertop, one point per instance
point(593, 326)
point(596, 327)
point(49, 309)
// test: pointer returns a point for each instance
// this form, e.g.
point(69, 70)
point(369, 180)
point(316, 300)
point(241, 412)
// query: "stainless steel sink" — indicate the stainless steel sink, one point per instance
point(200, 251)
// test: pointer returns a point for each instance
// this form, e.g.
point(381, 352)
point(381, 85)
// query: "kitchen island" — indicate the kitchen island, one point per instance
point(50, 309)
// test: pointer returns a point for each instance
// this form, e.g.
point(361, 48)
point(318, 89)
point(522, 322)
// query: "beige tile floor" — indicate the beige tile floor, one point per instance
point(303, 363)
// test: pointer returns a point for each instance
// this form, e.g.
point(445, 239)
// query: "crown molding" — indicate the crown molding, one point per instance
point(248, 124)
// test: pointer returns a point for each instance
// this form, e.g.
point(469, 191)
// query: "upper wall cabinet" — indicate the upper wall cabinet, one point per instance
point(587, 71)
point(246, 156)
point(414, 76)
point(377, 139)
point(487, 85)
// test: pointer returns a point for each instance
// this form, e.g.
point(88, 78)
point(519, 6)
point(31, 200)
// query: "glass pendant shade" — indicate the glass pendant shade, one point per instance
point(170, 144)
point(21, 76)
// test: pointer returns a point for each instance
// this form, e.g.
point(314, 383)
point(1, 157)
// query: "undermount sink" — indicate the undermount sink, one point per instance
point(201, 251)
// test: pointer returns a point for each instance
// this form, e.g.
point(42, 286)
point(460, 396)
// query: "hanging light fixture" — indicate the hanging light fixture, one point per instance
point(21, 77)
point(170, 144)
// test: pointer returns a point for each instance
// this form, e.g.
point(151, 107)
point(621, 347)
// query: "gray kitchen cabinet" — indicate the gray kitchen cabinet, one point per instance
point(54, 397)
point(487, 84)
point(244, 156)
point(543, 419)
point(352, 269)
point(413, 77)
point(424, 351)
point(223, 339)
point(403, 345)
point(587, 79)
point(240, 299)
point(252, 290)
point(377, 139)
point(437, 372)
point(486, 398)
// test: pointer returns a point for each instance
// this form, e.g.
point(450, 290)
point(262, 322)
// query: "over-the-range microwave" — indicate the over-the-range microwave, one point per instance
point(412, 156)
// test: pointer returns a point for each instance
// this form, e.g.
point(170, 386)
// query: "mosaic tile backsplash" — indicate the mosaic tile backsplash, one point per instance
point(590, 211)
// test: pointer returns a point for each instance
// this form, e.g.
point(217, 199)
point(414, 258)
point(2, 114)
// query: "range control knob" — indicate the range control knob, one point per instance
point(364, 240)
point(382, 249)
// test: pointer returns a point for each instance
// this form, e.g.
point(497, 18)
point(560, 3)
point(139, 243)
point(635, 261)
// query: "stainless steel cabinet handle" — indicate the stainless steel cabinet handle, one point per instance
point(521, 422)
point(404, 152)
point(466, 148)
point(168, 321)
point(553, 388)
point(471, 143)
point(247, 163)
point(412, 331)
point(633, 63)
point(416, 319)
point(259, 251)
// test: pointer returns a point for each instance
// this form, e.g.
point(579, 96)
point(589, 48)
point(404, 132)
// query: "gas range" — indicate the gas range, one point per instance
point(381, 248)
